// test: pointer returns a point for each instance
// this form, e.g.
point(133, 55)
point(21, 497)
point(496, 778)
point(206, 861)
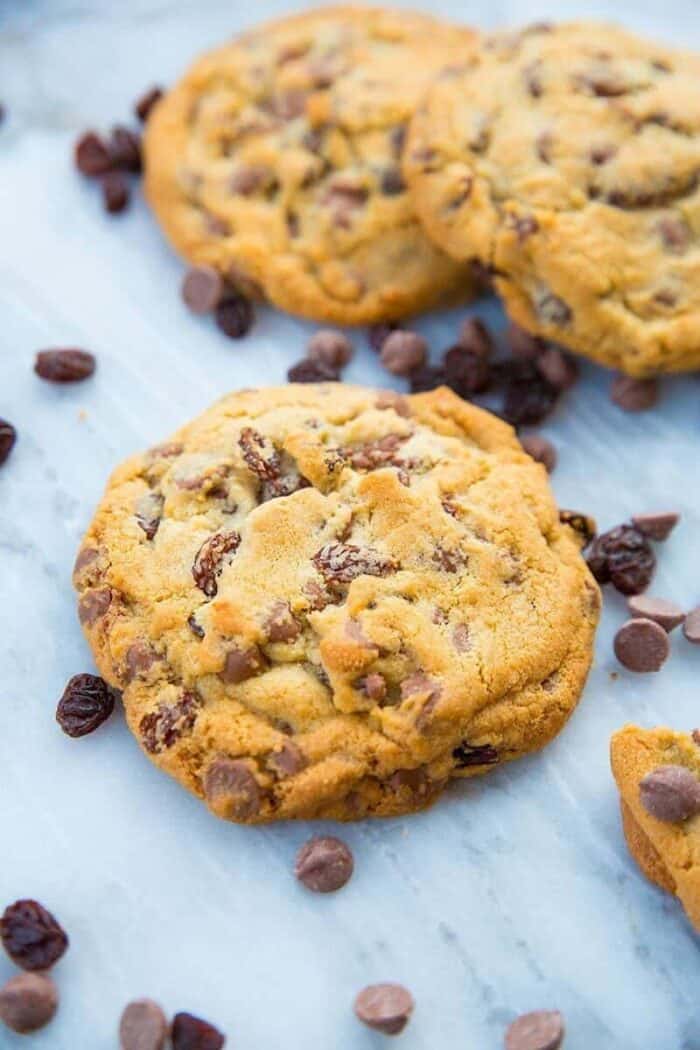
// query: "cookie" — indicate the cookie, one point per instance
point(566, 159)
point(277, 160)
point(326, 601)
point(668, 852)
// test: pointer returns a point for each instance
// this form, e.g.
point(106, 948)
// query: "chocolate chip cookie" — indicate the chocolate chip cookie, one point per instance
point(277, 160)
point(658, 776)
point(567, 159)
point(326, 601)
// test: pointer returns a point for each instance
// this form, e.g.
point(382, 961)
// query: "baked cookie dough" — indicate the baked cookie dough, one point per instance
point(667, 852)
point(277, 160)
point(326, 601)
point(567, 159)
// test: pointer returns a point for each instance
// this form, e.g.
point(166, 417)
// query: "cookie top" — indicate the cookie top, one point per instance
point(668, 853)
point(567, 159)
point(277, 159)
point(326, 600)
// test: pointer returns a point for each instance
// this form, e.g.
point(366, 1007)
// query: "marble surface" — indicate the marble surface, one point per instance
point(514, 892)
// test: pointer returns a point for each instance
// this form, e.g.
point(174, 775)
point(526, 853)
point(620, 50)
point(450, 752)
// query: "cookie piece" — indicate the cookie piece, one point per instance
point(667, 852)
point(566, 159)
point(319, 601)
point(277, 160)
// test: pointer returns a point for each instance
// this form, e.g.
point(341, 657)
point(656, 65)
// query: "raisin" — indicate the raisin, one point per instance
point(374, 454)
point(92, 155)
point(125, 149)
point(191, 1033)
point(235, 316)
point(149, 508)
point(210, 560)
point(465, 371)
point(378, 333)
point(8, 436)
point(64, 366)
point(470, 755)
point(145, 104)
point(31, 936)
point(623, 557)
point(86, 703)
point(341, 563)
point(528, 396)
point(164, 727)
point(115, 192)
point(308, 371)
point(426, 377)
point(580, 523)
point(259, 453)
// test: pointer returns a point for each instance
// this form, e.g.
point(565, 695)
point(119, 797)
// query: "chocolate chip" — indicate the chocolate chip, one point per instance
point(287, 761)
point(465, 372)
point(557, 368)
point(308, 371)
point(657, 526)
point(241, 664)
point(125, 149)
point(475, 337)
point(92, 155)
point(391, 182)
point(280, 625)
point(161, 729)
point(28, 1002)
point(622, 556)
point(148, 511)
point(385, 1007)
point(541, 450)
point(231, 790)
point(642, 645)
point(378, 334)
point(115, 192)
point(539, 1030)
point(425, 378)
point(143, 1026)
point(691, 626)
point(330, 348)
point(251, 177)
point(324, 865)
point(202, 289)
point(670, 793)
point(8, 436)
point(64, 366)
point(140, 658)
point(93, 605)
point(602, 154)
point(145, 104)
point(552, 310)
point(634, 395)
point(402, 352)
point(86, 703)
point(191, 1033)
point(523, 344)
point(31, 936)
point(235, 316)
point(674, 232)
point(667, 614)
point(373, 686)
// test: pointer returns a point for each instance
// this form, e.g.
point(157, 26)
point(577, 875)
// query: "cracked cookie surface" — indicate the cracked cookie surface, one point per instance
point(667, 853)
point(327, 601)
point(277, 159)
point(567, 159)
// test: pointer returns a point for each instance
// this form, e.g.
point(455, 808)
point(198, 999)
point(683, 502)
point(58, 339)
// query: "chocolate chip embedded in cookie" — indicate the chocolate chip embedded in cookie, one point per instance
point(327, 601)
point(658, 775)
point(565, 158)
point(277, 161)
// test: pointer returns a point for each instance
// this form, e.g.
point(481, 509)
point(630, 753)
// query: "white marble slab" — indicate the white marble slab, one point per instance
point(513, 893)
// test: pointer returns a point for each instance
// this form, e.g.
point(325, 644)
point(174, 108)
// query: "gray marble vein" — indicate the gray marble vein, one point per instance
point(514, 892)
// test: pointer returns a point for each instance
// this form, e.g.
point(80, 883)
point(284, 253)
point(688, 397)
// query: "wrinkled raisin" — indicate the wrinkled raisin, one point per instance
point(8, 436)
point(260, 454)
point(145, 104)
point(427, 377)
point(125, 149)
point(31, 936)
point(235, 316)
point(210, 560)
point(623, 557)
point(64, 366)
point(580, 523)
point(164, 727)
point(470, 755)
point(378, 333)
point(92, 155)
point(115, 192)
point(528, 396)
point(341, 563)
point(466, 372)
point(308, 371)
point(86, 703)
point(191, 1033)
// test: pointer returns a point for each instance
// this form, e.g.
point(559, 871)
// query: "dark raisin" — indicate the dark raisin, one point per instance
point(260, 454)
point(8, 436)
point(125, 149)
point(31, 936)
point(210, 560)
point(427, 377)
point(528, 396)
point(392, 182)
point(86, 703)
point(308, 371)
point(92, 155)
point(145, 104)
point(64, 366)
point(466, 372)
point(580, 523)
point(474, 755)
point(115, 192)
point(341, 563)
point(196, 628)
point(624, 557)
point(191, 1033)
point(164, 726)
point(378, 333)
point(235, 316)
